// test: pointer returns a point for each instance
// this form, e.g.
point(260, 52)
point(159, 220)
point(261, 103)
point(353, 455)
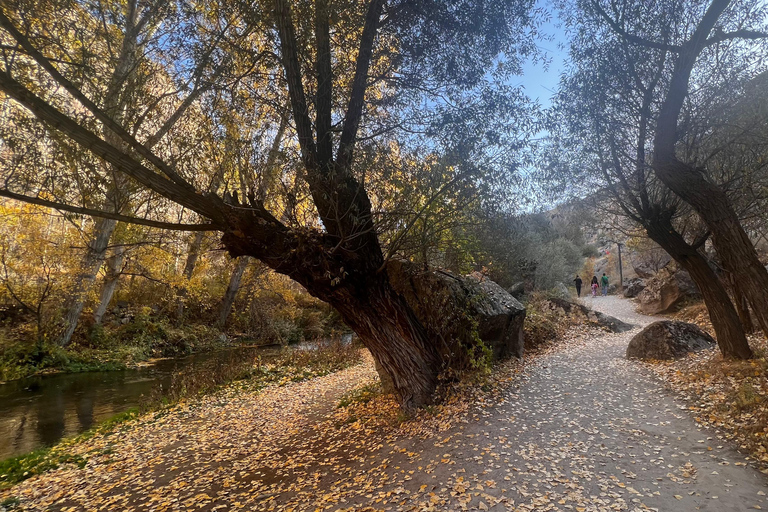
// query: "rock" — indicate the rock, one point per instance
point(561, 291)
point(517, 290)
point(611, 323)
point(634, 287)
point(646, 270)
point(665, 290)
point(457, 310)
point(668, 339)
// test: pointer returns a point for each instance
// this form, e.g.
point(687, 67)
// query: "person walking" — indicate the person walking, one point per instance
point(578, 282)
point(604, 282)
point(594, 286)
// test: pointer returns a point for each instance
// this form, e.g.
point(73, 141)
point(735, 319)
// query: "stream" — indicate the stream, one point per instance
point(39, 411)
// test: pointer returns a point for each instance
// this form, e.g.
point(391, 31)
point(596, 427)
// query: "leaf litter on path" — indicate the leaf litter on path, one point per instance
point(576, 427)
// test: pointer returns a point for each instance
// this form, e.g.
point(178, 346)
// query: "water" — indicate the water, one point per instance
point(39, 411)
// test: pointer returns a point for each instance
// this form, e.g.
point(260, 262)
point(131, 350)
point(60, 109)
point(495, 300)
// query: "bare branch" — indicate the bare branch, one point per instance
point(106, 215)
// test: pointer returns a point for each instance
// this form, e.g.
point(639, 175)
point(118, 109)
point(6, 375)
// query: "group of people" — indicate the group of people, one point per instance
point(594, 285)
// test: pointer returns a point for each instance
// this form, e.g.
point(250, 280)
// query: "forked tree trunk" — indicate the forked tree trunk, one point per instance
point(728, 330)
point(114, 266)
point(234, 286)
point(733, 246)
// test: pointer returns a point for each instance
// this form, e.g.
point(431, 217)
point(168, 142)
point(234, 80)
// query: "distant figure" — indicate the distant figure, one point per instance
point(577, 282)
point(604, 281)
point(594, 286)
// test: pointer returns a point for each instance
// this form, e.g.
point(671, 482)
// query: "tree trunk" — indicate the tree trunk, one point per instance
point(733, 246)
point(232, 289)
point(730, 336)
point(108, 287)
point(741, 302)
point(189, 267)
point(396, 339)
point(94, 257)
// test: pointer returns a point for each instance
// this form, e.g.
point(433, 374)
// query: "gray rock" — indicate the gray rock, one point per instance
point(601, 319)
point(665, 290)
point(561, 291)
point(456, 310)
point(634, 287)
point(517, 290)
point(668, 339)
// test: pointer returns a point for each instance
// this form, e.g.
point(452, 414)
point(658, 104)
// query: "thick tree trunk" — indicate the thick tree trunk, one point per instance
point(741, 303)
point(92, 260)
point(730, 336)
point(396, 339)
point(232, 289)
point(114, 269)
point(733, 246)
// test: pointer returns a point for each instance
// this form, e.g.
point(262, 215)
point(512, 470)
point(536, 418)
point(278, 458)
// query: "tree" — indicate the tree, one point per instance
point(354, 73)
point(716, 33)
point(609, 120)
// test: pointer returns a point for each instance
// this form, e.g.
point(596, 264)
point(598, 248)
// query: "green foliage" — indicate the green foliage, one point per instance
point(17, 469)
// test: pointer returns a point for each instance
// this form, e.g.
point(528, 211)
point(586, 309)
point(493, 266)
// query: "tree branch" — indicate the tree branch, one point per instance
point(47, 113)
point(359, 85)
point(106, 215)
point(288, 48)
point(641, 41)
point(721, 36)
point(72, 89)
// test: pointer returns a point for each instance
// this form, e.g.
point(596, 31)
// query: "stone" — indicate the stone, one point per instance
point(646, 270)
point(668, 339)
point(595, 317)
point(665, 290)
point(561, 291)
point(457, 310)
point(634, 287)
point(517, 290)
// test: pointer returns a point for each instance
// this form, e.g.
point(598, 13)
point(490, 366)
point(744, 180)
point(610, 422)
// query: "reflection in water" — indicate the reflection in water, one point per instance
point(39, 411)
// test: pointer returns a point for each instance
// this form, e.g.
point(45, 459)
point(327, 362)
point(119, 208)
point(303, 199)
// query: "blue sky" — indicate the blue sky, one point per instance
point(541, 81)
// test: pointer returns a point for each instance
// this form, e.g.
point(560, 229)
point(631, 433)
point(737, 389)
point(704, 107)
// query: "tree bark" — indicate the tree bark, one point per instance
point(232, 289)
point(728, 330)
point(92, 260)
point(189, 267)
point(741, 303)
point(108, 287)
point(396, 339)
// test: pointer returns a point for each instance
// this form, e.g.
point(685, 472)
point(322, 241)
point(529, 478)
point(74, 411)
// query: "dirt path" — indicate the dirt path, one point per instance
point(582, 429)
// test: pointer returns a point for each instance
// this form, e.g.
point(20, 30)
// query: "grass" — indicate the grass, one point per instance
point(17, 469)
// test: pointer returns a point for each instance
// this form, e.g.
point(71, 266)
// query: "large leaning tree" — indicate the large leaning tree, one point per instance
point(351, 80)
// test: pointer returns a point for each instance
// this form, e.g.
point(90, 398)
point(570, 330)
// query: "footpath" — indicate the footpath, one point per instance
point(577, 429)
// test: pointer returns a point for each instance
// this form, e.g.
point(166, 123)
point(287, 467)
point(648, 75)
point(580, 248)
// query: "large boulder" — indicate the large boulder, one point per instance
point(634, 287)
point(460, 311)
point(595, 317)
point(665, 290)
point(646, 269)
point(668, 339)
